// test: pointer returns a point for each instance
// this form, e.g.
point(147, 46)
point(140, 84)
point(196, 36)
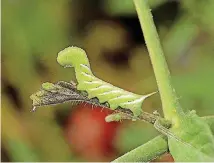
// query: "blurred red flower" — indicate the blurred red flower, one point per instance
point(89, 135)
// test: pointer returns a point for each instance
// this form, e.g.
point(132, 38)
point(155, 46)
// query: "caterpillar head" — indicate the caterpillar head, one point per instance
point(72, 57)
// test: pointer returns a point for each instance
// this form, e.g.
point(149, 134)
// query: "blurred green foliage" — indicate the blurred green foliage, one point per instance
point(33, 32)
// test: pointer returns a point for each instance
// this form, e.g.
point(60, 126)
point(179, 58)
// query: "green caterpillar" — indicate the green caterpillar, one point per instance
point(105, 92)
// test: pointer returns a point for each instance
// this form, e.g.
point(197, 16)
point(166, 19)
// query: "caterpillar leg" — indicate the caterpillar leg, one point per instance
point(136, 112)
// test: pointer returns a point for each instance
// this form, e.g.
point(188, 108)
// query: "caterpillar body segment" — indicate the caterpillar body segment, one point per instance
point(95, 87)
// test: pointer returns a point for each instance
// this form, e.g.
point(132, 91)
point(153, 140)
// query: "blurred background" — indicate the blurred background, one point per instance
point(34, 31)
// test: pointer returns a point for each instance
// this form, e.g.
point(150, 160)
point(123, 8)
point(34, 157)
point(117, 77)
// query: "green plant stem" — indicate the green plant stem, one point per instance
point(146, 152)
point(171, 107)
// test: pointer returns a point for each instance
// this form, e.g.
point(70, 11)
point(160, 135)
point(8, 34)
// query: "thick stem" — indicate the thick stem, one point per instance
point(171, 108)
point(146, 152)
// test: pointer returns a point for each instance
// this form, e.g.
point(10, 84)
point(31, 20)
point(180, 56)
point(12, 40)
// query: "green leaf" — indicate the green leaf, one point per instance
point(197, 140)
point(210, 121)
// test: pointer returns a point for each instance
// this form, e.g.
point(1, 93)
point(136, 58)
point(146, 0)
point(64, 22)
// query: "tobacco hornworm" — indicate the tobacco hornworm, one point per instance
point(95, 87)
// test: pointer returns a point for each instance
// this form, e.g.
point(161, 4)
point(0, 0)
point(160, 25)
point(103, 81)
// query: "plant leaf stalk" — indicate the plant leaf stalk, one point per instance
point(171, 107)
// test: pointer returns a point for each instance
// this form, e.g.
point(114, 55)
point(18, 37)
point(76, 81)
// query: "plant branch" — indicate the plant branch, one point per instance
point(146, 117)
point(60, 92)
point(171, 107)
point(146, 152)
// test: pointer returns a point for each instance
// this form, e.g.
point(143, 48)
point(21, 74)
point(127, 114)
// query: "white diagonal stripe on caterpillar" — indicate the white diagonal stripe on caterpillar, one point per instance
point(109, 92)
point(93, 82)
point(122, 96)
point(134, 101)
point(85, 66)
point(100, 87)
point(88, 75)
